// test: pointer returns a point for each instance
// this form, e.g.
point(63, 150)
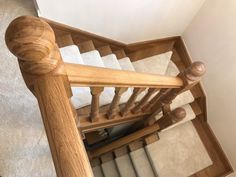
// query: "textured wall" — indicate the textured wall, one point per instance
point(211, 38)
point(24, 150)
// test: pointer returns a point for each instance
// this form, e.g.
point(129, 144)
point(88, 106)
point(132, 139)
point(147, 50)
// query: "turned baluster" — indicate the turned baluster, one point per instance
point(191, 76)
point(171, 118)
point(144, 100)
point(95, 92)
point(114, 108)
point(32, 41)
point(165, 109)
point(131, 101)
point(155, 99)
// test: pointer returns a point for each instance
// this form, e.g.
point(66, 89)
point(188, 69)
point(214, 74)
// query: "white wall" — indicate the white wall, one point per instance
point(124, 20)
point(211, 37)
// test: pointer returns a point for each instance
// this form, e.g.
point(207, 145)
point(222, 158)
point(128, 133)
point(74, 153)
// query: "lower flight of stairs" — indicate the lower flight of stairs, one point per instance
point(178, 153)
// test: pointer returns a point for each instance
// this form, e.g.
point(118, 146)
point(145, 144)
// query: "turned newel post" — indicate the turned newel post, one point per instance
point(32, 41)
point(190, 77)
point(172, 118)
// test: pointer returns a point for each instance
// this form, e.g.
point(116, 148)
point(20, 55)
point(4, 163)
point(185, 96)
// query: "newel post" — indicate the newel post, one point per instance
point(171, 118)
point(190, 77)
point(32, 41)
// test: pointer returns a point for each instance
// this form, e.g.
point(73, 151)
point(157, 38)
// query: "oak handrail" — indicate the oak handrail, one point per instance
point(32, 41)
point(81, 75)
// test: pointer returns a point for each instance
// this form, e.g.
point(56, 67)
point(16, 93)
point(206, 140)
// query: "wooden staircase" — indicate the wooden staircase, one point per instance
point(50, 80)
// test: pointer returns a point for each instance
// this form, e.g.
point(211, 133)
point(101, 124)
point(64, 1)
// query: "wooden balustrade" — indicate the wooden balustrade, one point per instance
point(156, 99)
point(32, 41)
point(171, 118)
point(164, 122)
point(96, 92)
point(131, 101)
point(191, 76)
point(144, 100)
point(114, 108)
point(124, 141)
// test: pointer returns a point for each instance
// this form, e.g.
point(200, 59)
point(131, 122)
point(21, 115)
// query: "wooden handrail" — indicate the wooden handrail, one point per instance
point(32, 40)
point(80, 75)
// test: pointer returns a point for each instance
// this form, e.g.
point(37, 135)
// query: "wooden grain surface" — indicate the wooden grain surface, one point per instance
point(124, 141)
point(81, 75)
point(33, 42)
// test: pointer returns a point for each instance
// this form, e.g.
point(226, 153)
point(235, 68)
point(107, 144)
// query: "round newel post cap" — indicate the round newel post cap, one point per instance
point(178, 114)
point(30, 38)
point(195, 71)
point(32, 41)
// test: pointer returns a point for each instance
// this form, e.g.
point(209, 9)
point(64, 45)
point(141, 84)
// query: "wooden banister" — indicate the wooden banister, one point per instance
point(32, 40)
point(144, 100)
point(81, 75)
point(124, 141)
point(191, 76)
point(171, 118)
point(167, 120)
point(156, 98)
point(131, 100)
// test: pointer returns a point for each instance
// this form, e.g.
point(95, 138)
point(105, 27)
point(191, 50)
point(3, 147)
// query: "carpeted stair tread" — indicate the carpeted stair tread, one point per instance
point(110, 61)
point(153, 65)
point(109, 169)
point(141, 163)
point(97, 171)
point(125, 166)
point(179, 152)
point(71, 54)
point(126, 64)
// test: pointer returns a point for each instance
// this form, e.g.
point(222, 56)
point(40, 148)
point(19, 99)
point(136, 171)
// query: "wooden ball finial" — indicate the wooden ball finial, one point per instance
point(33, 41)
point(195, 71)
point(178, 114)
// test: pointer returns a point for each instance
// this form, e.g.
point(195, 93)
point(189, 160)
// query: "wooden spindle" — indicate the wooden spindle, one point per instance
point(33, 41)
point(114, 108)
point(131, 100)
point(144, 100)
point(172, 118)
point(166, 109)
point(154, 100)
point(96, 92)
point(191, 76)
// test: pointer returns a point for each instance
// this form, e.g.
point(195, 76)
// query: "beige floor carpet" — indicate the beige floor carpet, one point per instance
point(24, 148)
